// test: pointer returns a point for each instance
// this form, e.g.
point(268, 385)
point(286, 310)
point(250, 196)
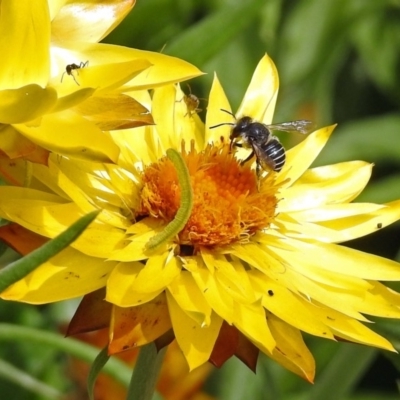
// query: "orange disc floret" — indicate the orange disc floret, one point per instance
point(227, 204)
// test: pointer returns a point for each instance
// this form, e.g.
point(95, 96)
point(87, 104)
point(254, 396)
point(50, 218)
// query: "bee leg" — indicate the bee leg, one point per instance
point(248, 159)
point(258, 170)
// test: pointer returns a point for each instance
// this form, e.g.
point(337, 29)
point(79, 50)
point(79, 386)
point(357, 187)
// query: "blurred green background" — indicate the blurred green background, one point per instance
point(339, 62)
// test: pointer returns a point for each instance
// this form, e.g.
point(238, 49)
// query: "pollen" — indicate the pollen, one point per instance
point(230, 205)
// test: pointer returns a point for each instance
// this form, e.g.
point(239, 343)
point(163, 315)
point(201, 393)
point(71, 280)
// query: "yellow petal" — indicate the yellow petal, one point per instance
point(163, 106)
point(24, 43)
point(283, 267)
point(251, 321)
point(260, 258)
point(120, 282)
point(137, 326)
point(73, 99)
point(231, 275)
point(300, 157)
point(89, 20)
point(350, 329)
point(159, 272)
point(291, 351)
point(343, 260)
point(25, 103)
point(165, 69)
point(195, 341)
point(114, 111)
point(111, 75)
point(380, 301)
point(362, 225)
point(287, 306)
point(67, 132)
point(190, 299)
point(340, 186)
point(188, 117)
point(334, 212)
point(46, 215)
point(13, 144)
point(248, 318)
point(260, 98)
point(134, 249)
point(217, 102)
point(173, 121)
point(67, 275)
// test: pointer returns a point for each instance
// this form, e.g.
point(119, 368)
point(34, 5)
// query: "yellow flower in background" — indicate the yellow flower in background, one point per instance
point(62, 91)
point(256, 264)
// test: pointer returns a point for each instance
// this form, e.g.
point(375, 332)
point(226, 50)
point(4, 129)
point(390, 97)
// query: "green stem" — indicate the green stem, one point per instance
point(145, 374)
point(115, 368)
point(22, 267)
point(22, 379)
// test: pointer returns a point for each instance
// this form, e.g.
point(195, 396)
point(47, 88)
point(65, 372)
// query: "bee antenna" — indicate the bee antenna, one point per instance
point(224, 123)
point(228, 112)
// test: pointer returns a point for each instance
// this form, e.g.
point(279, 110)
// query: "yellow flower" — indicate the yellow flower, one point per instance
point(256, 264)
point(61, 91)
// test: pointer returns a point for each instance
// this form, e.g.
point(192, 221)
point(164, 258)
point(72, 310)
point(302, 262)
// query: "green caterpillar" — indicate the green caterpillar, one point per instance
point(183, 214)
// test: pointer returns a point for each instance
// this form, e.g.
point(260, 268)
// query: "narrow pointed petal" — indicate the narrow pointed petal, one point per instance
point(344, 186)
point(217, 102)
point(195, 341)
point(291, 350)
point(260, 98)
point(348, 328)
point(300, 157)
point(190, 299)
point(114, 112)
point(165, 69)
point(346, 261)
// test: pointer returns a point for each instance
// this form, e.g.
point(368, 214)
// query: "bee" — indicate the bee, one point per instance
point(73, 67)
point(268, 150)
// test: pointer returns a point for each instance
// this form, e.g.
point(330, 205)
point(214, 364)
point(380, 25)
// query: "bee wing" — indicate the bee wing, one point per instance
point(266, 162)
point(303, 126)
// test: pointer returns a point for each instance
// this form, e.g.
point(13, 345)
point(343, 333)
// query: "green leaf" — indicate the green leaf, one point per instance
point(98, 364)
point(19, 269)
point(373, 139)
point(208, 37)
point(311, 32)
point(342, 374)
point(376, 36)
point(145, 374)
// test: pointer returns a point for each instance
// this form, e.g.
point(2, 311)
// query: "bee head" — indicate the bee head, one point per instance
point(241, 127)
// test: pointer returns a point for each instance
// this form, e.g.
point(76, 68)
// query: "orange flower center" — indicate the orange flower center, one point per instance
point(228, 205)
